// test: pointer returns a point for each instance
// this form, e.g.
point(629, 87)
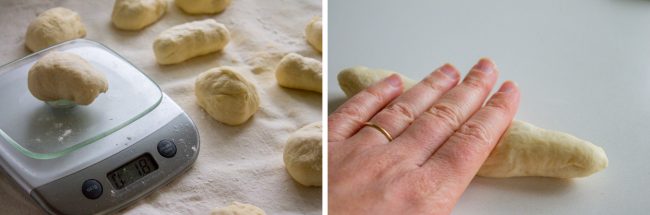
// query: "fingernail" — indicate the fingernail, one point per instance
point(394, 80)
point(449, 70)
point(507, 87)
point(484, 65)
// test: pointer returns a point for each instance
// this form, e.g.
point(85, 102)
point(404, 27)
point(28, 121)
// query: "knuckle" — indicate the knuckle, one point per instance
point(372, 93)
point(475, 82)
point(402, 110)
point(446, 112)
point(348, 112)
point(499, 105)
point(475, 132)
point(433, 83)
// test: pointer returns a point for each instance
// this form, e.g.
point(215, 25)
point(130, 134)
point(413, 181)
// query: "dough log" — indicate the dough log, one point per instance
point(137, 14)
point(303, 154)
point(54, 26)
point(298, 72)
point(189, 40)
point(237, 208)
point(527, 150)
point(314, 33)
point(524, 150)
point(354, 80)
point(202, 6)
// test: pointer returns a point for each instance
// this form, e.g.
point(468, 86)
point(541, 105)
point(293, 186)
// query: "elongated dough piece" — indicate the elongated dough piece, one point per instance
point(137, 14)
point(298, 72)
point(189, 40)
point(202, 6)
point(527, 150)
point(524, 150)
point(314, 33)
point(355, 79)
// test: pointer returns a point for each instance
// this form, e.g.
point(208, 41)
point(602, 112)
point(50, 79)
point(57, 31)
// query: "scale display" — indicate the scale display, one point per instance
point(132, 171)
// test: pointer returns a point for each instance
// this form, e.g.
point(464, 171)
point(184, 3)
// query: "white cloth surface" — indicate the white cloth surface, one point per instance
point(240, 163)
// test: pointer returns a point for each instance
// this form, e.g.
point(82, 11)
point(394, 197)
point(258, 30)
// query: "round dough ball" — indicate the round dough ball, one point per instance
point(298, 72)
point(226, 95)
point(65, 76)
point(303, 154)
point(314, 33)
point(137, 14)
point(54, 26)
point(202, 6)
point(237, 208)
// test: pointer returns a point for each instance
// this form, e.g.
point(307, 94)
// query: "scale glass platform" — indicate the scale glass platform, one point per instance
point(129, 141)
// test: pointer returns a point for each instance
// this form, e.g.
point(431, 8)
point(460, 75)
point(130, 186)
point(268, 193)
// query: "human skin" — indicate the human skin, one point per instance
point(442, 133)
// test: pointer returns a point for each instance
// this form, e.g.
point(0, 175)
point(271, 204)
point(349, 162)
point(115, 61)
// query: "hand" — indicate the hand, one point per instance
point(441, 133)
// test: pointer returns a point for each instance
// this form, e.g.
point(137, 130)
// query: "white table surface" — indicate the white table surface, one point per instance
point(583, 67)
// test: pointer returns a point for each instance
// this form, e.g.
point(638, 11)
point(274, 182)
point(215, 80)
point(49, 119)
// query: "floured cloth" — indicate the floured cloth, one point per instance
point(241, 163)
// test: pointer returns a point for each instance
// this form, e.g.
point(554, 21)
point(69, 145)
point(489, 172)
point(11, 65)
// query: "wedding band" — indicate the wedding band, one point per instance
point(380, 129)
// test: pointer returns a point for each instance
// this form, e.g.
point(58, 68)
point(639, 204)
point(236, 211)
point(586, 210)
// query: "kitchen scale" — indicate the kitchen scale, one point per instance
point(96, 158)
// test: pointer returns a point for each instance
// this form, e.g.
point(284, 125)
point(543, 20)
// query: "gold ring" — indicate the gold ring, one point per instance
point(380, 129)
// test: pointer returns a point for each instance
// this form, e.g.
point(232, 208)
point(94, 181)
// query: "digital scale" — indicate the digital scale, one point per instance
point(96, 158)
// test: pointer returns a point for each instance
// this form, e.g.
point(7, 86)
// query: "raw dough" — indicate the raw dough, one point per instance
point(314, 33)
point(137, 14)
point(226, 95)
point(65, 76)
point(295, 71)
point(53, 26)
point(303, 154)
point(189, 40)
point(202, 6)
point(526, 150)
point(237, 208)
point(354, 80)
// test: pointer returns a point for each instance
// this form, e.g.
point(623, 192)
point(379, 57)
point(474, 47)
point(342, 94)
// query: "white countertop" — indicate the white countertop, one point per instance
point(583, 67)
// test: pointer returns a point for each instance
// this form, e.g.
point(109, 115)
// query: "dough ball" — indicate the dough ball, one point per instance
point(303, 154)
point(237, 208)
point(314, 33)
point(137, 14)
point(354, 80)
point(54, 26)
point(226, 95)
point(527, 150)
point(189, 40)
point(298, 72)
point(65, 76)
point(202, 6)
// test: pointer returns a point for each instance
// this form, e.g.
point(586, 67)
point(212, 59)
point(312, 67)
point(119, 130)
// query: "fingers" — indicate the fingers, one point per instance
point(435, 125)
point(350, 116)
point(466, 150)
point(400, 113)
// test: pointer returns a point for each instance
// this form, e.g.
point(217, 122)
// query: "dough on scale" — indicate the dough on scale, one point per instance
point(314, 33)
point(524, 150)
point(237, 208)
point(65, 76)
point(202, 6)
point(298, 72)
point(189, 40)
point(137, 14)
point(226, 95)
point(54, 26)
point(303, 154)
point(353, 80)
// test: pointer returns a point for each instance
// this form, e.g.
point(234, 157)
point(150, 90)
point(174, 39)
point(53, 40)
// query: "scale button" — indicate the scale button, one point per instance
point(167, 148)
point(92, 189)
